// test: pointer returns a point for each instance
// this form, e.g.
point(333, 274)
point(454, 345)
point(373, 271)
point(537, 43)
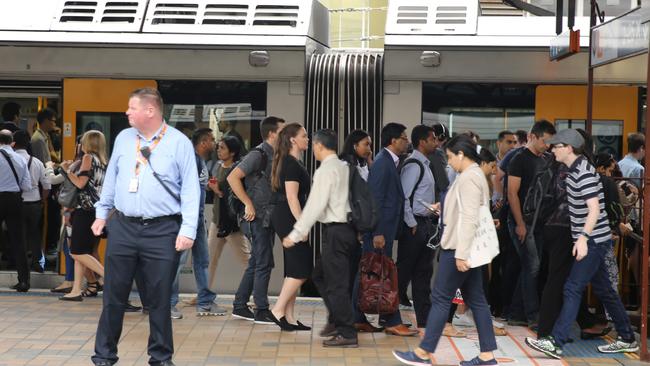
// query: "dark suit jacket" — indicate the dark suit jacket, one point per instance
point(386, 187)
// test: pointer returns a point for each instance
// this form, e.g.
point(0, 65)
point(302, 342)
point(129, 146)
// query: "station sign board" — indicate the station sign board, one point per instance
point(621, 37)
point(564, 45)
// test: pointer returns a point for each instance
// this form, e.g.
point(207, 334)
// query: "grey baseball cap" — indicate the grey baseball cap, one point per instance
point(567, 137)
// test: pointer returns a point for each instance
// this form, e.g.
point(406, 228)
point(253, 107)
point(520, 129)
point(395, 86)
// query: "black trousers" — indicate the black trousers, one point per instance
point(415, 265)
point(11, 212)
point(558, 246)
point(33, 227)
point(331, 275)
point(148, 250)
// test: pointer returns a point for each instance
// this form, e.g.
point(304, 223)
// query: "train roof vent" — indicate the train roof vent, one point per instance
point(276, 15)
point(263, 17)
point(432, 17)
point(99, 15)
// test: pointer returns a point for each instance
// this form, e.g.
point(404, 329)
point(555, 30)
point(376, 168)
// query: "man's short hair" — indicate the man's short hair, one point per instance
point(21, 139)
point(151, 95)
point(10, 110)
point(440, 131)
point(541, 127)
point(199, 135)
point(635, 141)
point(391, 131)
point(502, 135)
point(45, 114)
point(268, 125)
point(6, 138)
point(522, 137)
point(327, 138)
point(419, 133)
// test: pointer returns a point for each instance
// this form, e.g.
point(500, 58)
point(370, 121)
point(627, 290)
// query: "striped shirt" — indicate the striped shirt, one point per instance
point(584, 183)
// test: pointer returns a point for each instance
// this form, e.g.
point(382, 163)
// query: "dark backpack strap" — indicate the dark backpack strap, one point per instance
point(417, 183)
point(265, 160)
point(11, 165)
point(29, 163)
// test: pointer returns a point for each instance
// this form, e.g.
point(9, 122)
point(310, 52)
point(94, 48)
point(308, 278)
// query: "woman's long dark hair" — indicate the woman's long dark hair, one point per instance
point(348, 153)
point(465, 144)
point(282, 149)
point(233, 145)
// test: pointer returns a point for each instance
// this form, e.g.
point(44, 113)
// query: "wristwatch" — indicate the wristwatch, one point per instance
point(584, 233)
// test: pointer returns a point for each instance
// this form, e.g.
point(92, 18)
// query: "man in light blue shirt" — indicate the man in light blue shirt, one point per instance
point(15, 178)
point(630, 166)
point(414, 257)
point(152, 183)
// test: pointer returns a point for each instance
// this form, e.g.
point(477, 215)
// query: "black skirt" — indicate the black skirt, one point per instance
point(82, 240)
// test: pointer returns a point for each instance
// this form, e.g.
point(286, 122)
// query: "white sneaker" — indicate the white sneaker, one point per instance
point(176, 314)
point(463, 320)
point(619, 346)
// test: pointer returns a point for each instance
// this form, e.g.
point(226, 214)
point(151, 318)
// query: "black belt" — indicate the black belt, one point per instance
point(11, 193)
point(332, 224)
point(149, 220)
point(31, 202)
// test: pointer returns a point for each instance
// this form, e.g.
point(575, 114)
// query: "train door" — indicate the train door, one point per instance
point(615, 112)
point(95, 104)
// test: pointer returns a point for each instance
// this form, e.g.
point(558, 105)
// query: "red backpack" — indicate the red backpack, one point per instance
point(378, 284)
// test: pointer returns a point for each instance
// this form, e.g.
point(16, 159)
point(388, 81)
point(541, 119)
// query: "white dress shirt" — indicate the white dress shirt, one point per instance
point(37, 172)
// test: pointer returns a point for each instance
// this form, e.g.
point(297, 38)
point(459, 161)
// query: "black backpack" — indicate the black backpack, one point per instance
point(540, 201)
point(417, 183)
point(235, 206)
point(363, 215)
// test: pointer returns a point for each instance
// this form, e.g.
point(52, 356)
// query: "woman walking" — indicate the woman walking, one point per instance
point(224, 228)
point(290, 183)
point(454, 272)
point(83, 242)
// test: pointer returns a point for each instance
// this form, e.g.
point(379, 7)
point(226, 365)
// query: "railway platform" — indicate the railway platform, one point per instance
point(38, 329)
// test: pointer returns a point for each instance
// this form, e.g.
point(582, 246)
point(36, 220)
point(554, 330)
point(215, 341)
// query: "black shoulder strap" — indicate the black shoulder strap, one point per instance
point(265, 160)
point(11, 165)
point(29, 163)
point(417, 183)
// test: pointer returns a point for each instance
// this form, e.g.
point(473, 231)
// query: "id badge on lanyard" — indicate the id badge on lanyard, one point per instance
point(141, 160)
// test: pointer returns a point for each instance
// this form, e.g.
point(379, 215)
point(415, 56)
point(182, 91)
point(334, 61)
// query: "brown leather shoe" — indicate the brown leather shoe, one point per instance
point(328, 331)
point(367, 328)
point(341, 342)
point(401, 330)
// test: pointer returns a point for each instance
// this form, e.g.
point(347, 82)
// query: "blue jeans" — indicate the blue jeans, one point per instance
point(526, 293)
point(200, 262)
point(591, 268)
point(257, 275)
point(387, 320)
point(447, 280)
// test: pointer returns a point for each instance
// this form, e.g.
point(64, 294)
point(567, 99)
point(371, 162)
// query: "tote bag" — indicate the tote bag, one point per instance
point(485, 245)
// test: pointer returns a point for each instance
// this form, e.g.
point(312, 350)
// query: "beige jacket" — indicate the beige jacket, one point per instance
point(461, 216)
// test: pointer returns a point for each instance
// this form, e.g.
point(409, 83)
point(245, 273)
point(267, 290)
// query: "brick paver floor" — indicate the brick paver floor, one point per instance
point(38, 329)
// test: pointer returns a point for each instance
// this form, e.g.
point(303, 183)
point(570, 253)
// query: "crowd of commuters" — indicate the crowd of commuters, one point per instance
point(149, 200)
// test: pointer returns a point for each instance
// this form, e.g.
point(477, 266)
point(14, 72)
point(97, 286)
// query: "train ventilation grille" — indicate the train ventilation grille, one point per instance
point(432, 17)
point(175, 13)
point(263, 17)
point(451, 15)
point(106, 15)
point(412, 14)
point(276, 15)
point(225, 14)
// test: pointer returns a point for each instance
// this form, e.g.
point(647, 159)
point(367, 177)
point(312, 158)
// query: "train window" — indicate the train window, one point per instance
point(485, 109)
point(108, 123)
point(227, 107)
point(607, 134)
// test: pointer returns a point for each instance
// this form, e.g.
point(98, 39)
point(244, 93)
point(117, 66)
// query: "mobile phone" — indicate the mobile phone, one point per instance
point(427, 205)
